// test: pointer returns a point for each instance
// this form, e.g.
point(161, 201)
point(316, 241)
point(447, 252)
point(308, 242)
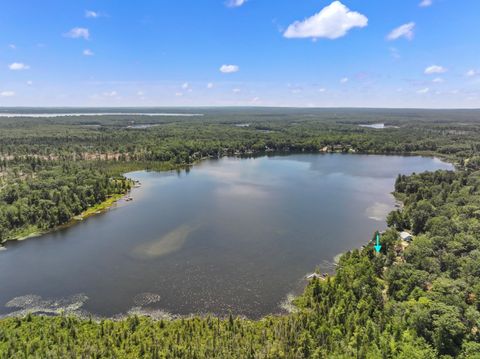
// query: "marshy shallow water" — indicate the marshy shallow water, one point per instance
point(229, 235)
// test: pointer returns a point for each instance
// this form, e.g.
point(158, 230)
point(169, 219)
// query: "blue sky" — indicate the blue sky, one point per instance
point(375, 53)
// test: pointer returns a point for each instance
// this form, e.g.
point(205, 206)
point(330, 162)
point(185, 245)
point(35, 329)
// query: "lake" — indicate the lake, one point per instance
point(229, 235)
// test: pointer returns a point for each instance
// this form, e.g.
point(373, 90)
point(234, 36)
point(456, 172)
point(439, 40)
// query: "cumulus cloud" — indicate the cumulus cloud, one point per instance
point(185, 85)
point(235, 3)
point(78, 33)
point(12, 46)
point(229, 69)
point(29, 82)
point(423, 91)
point(236, 90)
point(91, 14)
point(426, 3)
point(435, 69)
point(405, 30)
point(7, 94)
point(210, 85)
point(88, 52)
point(332, 22)
point(18, 66)
point(438, 80)
point(344, 80)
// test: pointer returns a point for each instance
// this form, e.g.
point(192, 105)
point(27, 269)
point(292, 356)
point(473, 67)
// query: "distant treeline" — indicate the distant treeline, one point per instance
point(181, 141)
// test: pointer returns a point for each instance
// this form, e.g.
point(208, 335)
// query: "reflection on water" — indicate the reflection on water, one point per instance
point(234, 235)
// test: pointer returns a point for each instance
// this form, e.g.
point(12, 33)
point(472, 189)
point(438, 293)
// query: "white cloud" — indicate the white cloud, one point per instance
point(229, 69)
point(7, 93)
point(185, 85)
point(425, 3)
point(332, 22)
point(140, 93)
point(88, 52)
point(405, 30)
point(423, 91)
point(438, 80)
point(210, 85)
point(29, 83)
point(235, 3)
point(472, 73)
point(236, 90)
point(91, 14)
point(322, 90)
point(18, 66)
point(12, 46)
point(344, 80)
point(77, 33)
point(110, 94)
point(435, 69)
point(178, 94)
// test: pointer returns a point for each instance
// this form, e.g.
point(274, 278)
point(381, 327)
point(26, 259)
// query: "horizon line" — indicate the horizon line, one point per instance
point(246, 107)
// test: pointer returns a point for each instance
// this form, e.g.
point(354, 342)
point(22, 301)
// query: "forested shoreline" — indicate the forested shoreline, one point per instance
point(422, 301)
point(52, 196)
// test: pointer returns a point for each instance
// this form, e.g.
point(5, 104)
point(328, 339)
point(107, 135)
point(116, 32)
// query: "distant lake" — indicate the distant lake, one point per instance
point(229, 235)
point(95, 114)
point(377, 126)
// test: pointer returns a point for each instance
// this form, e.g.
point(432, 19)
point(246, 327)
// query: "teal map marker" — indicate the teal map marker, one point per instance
point(377, 245)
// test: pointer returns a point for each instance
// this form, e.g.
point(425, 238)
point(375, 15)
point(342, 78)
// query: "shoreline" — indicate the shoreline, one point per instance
point(34, 232)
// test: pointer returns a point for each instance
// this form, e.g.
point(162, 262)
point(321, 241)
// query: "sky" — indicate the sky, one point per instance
point(301, 53)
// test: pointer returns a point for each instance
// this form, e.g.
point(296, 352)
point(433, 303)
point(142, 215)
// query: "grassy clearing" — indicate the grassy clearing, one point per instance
point(99, 208)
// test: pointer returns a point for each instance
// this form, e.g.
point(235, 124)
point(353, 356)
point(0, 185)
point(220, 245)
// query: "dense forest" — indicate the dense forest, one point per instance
point(417, 300)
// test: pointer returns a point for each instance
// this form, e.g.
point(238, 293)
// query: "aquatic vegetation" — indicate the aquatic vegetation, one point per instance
point(170, 242)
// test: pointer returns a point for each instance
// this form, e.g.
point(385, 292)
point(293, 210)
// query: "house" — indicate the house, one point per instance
point(405, 236)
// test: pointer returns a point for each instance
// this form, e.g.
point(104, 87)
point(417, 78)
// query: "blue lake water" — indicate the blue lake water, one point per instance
point(229, 235)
